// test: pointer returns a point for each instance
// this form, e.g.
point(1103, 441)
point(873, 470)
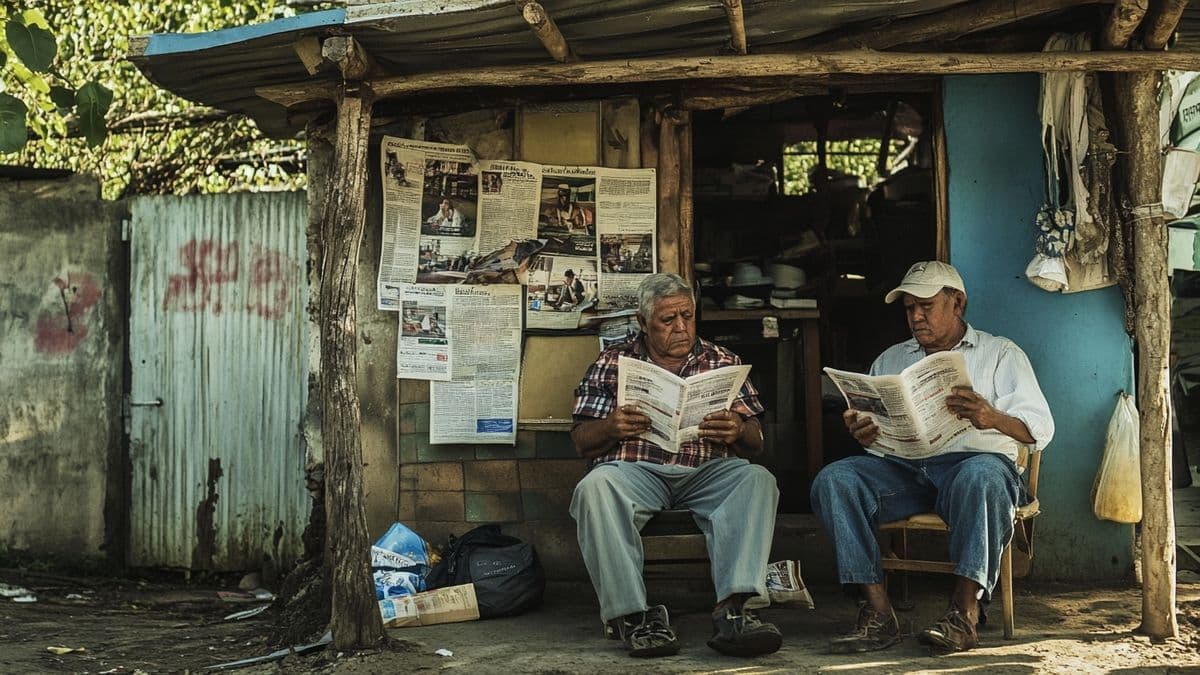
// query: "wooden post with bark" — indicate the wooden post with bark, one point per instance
point(355, 619)
point(1137, 98)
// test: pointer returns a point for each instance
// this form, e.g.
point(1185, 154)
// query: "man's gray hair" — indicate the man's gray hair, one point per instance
point(658, 286)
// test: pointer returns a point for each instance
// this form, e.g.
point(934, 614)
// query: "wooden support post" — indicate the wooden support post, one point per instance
point(1125, 17)
point(1137, 98)
point(737, 25)
point(1162, 22)
point(687, 230)
point(668, 194)
point(546, 30)
point(355, 619)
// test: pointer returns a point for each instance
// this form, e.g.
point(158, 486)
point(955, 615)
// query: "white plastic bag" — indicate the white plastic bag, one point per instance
point(1117, 492)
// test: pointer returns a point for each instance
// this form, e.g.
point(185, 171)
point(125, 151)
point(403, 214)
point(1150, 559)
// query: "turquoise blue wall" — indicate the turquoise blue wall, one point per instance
point(1076, 342)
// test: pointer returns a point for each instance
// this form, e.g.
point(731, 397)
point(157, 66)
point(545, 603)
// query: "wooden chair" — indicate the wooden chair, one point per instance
point(672, 536)
point(1022, 539)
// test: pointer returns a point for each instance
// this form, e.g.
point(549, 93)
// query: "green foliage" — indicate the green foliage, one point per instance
point(12, 123)
point(135, 137)
point(33, 44)
point(854, 157)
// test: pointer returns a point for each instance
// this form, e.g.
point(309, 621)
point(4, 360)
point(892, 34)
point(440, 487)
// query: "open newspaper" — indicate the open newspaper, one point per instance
point(675, 405)
point(909, 408)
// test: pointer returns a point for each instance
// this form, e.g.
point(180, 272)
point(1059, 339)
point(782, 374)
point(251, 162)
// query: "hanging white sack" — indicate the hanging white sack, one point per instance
point(1117, 491)
point(1181, 169)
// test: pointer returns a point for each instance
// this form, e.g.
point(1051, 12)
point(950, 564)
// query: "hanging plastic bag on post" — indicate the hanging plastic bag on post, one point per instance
point(1117, 492)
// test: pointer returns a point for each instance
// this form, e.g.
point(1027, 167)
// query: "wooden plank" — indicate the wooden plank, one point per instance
point(1162, 22)
point(737, 25)
point(948, 24)
point(900, 564)
point(744, 314)
point(941, 174)
point(813, 440)
point(674, 547)
point(687, 231)
point(1122, 21)
point(664, 69)
point(546, 31)
point(668, 195)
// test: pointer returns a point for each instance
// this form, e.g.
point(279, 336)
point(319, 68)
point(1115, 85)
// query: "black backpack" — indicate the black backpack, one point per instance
point(507, 575)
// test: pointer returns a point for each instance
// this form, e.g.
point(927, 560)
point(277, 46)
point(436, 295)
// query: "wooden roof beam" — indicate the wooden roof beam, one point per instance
point(751, 66)
point(1162, 22)
point(1125, 17)
point(737, 25)
point(546, 30)
point(948, 24)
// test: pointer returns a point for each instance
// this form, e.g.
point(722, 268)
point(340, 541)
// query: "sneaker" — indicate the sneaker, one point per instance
point(954, 632)
point(872, 631)
point(742, 634)
point(649, 633)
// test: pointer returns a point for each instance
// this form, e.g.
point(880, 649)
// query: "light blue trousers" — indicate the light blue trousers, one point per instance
point(975, 493)
point(732, 501)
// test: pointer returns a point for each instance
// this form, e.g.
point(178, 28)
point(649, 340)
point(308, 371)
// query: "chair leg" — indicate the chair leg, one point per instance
point(1006, 591)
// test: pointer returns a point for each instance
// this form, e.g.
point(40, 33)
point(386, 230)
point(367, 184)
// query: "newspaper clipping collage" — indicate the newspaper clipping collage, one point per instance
point(473, 252)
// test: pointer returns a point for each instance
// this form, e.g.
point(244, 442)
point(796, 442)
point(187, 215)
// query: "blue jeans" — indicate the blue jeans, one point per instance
point(975, 493)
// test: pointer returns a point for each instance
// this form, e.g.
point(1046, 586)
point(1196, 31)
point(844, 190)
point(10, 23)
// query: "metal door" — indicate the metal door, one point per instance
point(219, 353)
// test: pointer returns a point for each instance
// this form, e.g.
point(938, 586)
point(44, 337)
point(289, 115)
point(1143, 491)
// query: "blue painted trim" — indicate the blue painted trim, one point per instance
point(162, 44)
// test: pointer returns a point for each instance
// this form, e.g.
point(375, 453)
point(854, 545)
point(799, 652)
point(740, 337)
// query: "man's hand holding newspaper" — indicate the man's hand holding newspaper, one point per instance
point(916, 413)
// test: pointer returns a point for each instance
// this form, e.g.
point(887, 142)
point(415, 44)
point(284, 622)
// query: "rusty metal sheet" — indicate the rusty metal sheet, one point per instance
point(218, 350)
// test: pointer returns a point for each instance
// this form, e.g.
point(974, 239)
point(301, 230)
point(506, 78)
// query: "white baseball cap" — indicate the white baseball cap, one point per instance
point(926, 279)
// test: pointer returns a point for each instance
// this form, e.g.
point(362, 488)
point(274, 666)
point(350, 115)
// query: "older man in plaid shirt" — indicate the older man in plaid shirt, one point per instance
point(631, 479)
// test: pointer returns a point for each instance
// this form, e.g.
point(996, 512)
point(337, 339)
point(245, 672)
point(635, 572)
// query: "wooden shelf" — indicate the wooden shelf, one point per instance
point(752, 314)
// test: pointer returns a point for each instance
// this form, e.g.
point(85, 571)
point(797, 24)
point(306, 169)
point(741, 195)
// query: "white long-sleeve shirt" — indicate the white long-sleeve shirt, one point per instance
point(1001, 373)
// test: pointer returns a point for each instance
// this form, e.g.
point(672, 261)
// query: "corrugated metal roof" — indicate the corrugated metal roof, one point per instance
point(223, 68)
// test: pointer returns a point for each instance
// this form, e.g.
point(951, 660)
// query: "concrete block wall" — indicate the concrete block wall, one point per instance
point(526, 488)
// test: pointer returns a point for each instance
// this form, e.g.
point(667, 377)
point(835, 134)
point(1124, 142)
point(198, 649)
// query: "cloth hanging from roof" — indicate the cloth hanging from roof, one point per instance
point(1077, 218)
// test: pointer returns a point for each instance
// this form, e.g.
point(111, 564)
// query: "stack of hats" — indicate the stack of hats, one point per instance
point(788, 279)
point(749, 285)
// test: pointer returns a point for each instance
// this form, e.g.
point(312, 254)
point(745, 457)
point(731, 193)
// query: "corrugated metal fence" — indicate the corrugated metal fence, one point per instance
point(218, 344)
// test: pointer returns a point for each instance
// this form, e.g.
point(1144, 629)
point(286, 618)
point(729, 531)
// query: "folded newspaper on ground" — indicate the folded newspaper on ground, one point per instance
point(675, 405)
point(909, 408)
point(784, 587)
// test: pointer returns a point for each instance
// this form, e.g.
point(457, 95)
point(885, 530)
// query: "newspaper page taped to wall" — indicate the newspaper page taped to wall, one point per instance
point(423, 346)
point(509, 195)
point(675, 405)
point(477, 411)
point(430, 214)
point(485, 324)
point(909, 408)
point(626, 212)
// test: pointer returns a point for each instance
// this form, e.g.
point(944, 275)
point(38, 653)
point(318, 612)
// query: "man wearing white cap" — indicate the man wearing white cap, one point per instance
point(973, 484)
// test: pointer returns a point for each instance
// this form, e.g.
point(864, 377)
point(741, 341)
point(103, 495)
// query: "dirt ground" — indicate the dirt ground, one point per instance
point(128, 626)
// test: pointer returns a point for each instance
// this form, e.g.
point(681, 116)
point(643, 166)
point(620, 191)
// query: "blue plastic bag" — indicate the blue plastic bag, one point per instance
point(399, 561)
point(408, 547)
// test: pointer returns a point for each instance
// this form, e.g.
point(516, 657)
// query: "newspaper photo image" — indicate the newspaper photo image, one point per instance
point(423, 346)
point(558, 289)
point(909, 408)
point(676, 406)
point(449, 211)
point(567, 210)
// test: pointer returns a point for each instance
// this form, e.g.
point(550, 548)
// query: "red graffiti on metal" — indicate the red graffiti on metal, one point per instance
point(207, 264)
point(211, 271)
point(271, 278)
point(62, 329)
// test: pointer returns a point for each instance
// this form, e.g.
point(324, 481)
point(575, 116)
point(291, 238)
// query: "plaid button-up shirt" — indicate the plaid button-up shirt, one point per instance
point(596, 398)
